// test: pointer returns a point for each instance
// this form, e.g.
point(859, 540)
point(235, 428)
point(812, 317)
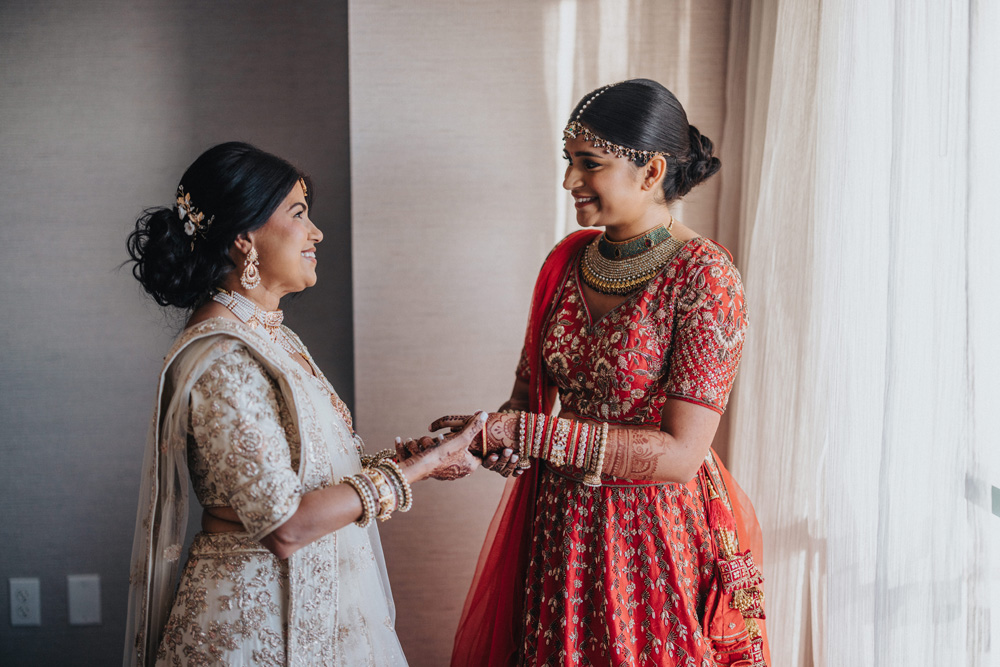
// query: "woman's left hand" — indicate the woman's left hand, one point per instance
point(447, 456)
point(503, 463)
point(500, 432)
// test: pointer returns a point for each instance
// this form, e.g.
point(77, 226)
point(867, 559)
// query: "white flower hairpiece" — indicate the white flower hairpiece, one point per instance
point(193, 219)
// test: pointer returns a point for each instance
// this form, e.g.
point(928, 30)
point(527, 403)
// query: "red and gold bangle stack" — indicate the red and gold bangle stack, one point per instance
point(383, 490)
point(564, 442)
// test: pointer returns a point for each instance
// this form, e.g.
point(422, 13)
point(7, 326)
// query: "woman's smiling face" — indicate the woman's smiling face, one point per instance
point(607, 190)
point(286, 246)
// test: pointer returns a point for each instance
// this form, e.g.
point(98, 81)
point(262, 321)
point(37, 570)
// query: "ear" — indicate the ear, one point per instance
point(243, 243)
point(653, 173)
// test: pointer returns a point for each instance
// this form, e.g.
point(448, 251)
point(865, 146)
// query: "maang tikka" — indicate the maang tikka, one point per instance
point(575, 128)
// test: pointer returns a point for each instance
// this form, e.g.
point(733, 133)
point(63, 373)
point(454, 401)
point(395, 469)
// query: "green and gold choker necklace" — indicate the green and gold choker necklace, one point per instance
point(617, 250)
point(619, 267)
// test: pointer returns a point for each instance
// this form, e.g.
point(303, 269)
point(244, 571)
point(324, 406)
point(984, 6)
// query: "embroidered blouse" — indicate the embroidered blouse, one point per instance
point(681, 336)
point(243, 450)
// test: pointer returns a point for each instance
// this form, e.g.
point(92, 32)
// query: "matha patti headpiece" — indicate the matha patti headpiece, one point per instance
point(193, 219)
point(576, 129)
point(305, 192)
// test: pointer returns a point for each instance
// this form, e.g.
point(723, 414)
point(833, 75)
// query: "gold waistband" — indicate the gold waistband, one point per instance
point(217, 544)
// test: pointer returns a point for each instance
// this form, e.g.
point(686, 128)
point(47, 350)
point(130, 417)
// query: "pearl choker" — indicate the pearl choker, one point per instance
point(253, 316)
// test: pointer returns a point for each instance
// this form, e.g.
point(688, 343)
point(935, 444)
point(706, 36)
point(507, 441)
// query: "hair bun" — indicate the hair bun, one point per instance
point(163, 260)
point(700, 165)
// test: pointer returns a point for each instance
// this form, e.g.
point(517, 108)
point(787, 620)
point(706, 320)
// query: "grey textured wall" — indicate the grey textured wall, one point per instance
point(102, 106)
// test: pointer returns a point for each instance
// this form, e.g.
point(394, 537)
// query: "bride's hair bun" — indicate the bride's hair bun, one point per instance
point(701, 164)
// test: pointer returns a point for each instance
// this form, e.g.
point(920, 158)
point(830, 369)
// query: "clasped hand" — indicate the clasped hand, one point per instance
point(500, 429)
point(448, 456)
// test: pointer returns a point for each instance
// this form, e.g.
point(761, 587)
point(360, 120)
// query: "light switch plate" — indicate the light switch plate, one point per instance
point(84, 592)
point(25, 601)
point(996, 501)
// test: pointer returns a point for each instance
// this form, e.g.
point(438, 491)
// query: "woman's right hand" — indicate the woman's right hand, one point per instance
point(446, 457)
point(500, 432)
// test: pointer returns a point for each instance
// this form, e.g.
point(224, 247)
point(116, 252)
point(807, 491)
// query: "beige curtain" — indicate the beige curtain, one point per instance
point(866, 426)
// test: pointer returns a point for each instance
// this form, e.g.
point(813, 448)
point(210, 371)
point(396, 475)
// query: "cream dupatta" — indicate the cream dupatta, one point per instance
point(340, 605)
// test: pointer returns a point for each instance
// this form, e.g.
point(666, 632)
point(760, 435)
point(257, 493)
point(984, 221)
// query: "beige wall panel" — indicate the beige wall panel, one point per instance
point(452, 195)
point(456, 117)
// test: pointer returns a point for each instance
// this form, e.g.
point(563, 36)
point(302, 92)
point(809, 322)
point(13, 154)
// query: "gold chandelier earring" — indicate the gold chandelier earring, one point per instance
point(251, 274)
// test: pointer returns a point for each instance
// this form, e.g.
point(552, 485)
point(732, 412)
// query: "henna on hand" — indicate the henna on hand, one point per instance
point(634, 453)
point(453, 472)
point(501, 433)
point(402, 452)
point(454, 458)
point(503, 463)
point(454, 464)
point(510, 467)
point(450, 421)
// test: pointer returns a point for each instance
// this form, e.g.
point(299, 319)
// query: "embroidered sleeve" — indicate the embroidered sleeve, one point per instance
point(240, 445)
point(708, 339)
point(523, 373)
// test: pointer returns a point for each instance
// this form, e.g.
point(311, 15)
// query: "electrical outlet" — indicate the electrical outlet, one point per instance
point(25, 601)
point(84, 593)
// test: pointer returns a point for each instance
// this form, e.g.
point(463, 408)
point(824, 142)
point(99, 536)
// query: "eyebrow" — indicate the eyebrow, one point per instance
point(585, 154)
point(298, 203)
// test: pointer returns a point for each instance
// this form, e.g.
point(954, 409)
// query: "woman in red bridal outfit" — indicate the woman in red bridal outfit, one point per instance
point(625, 541)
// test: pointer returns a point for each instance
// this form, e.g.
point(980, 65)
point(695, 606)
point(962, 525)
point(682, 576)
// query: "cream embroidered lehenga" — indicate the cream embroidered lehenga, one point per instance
point(256, 432)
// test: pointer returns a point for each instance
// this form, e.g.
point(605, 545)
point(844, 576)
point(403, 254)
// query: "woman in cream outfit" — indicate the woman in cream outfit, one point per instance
point(288, 567)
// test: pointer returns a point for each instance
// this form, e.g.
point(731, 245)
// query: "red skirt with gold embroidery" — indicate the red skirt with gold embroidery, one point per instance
point(618, 575)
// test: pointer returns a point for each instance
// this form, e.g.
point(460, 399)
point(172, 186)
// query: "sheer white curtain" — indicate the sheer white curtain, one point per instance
point(866, 427)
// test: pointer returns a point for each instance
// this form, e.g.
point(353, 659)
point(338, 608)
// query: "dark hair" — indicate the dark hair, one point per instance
point(643, 115)
point(235, 185)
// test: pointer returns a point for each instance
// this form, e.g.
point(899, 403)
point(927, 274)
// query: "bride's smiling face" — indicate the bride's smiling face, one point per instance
point(286, 246)
point(607, 190)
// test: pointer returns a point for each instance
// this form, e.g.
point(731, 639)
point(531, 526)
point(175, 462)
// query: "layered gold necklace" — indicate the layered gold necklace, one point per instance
point(619, 267)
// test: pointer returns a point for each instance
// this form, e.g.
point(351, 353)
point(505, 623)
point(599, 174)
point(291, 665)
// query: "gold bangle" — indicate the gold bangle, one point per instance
point(367, 501)
point(391, 467)
point(593, 477)
point(557, 448)
point(387, 499)
point(524, 442)
point(539, 435)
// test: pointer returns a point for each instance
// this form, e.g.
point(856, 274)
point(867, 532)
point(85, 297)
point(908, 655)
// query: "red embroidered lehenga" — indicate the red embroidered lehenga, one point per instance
point(632, 572)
